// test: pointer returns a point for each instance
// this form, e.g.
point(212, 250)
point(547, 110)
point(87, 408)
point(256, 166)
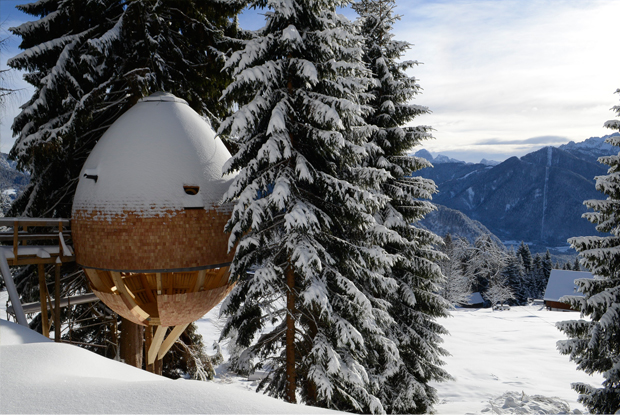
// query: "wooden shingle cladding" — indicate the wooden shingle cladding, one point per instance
point(182, 239)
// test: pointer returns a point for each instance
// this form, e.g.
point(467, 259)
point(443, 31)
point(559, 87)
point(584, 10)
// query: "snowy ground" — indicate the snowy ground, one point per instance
point(494, 352)
point(503, 362)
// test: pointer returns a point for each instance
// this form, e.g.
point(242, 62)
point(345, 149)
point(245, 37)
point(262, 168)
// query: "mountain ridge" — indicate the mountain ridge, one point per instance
point(537, 198)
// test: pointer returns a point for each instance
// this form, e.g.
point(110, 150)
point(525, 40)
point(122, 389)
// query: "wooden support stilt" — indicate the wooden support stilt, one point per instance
point(148, 340)
point(132, 343)
point(15, 241)
point(172, 337)
point(57, 303)
point(42, 295)
point(158, 338)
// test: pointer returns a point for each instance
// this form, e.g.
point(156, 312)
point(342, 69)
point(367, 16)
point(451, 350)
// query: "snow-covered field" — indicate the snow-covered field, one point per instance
point(502, 362)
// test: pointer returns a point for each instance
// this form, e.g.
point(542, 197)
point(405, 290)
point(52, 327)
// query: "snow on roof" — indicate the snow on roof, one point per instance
point(562, 282)
point(145, 158)
point(475, 298)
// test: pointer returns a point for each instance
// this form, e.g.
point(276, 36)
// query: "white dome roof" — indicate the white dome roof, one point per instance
point(143, 161)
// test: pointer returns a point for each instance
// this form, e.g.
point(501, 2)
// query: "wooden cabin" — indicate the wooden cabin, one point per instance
point(561, 283)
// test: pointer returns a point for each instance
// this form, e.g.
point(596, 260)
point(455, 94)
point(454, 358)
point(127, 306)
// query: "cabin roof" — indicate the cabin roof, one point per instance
point(562, 282)
point(149, 157)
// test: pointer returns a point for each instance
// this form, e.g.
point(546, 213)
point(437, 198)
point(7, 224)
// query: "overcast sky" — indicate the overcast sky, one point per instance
point(502, 77)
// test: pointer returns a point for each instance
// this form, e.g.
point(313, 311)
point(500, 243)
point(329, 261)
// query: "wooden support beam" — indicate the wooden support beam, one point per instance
point(93, 276)
point(172, 337)
point(42, 295)
point(158, 279)
point(57, 303)
point(24, 236)
point(156, 343)
point(129, 300)
point(34, 260)
point(147, 288)
point(60, 252)
point(200, 281)
point(15, 241)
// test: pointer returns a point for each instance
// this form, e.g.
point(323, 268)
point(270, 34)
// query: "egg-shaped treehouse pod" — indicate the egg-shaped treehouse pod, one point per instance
point(147, 218)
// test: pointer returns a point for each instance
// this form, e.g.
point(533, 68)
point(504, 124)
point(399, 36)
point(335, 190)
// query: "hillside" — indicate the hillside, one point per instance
point(445, 220)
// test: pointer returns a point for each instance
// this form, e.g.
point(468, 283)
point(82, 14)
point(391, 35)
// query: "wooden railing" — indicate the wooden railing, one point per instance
point(22, 251)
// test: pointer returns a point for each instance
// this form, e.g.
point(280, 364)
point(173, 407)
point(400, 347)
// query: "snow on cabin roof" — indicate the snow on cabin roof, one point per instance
point(144, 160)
point(475, 298)
point(562, 282)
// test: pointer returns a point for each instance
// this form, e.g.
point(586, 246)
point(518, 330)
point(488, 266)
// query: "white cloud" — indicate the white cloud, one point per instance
point(511, 70)
point(494, 69)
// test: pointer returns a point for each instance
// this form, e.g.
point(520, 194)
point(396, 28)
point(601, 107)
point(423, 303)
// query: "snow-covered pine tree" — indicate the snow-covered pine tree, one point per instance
point(526, 257)
point(513, 275)
point(595, 344)
point(547, 266)
point(303, 211)
point(538, 279)
point(414, 305)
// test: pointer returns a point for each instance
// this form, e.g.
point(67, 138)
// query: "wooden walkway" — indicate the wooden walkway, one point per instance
point(35, 241)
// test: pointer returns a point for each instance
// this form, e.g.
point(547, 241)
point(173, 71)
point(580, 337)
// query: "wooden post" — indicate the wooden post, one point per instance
point(132, 341)
point(158, 339)
point(15, 241)
point(159, 366)
point(57, 303)
point(171, 339)
point(290, 337)
point(45, 328)
point(148, 340)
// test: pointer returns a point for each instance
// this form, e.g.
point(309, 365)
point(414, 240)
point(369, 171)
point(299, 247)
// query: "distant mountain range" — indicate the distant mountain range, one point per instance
point(537, 198)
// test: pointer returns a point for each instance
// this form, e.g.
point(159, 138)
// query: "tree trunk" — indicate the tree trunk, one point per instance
point(132, 343)
point(311, 386)
point(290, 337)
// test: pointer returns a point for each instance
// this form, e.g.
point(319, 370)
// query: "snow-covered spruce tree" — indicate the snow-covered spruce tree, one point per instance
point(89, 61)
point(303, 212)
point(595, 344)
point(526, 257)
point(415, 305)
point(513, 276)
